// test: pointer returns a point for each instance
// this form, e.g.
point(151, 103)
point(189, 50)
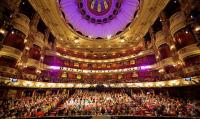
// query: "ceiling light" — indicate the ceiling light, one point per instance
point(122, 40)
point(99, 46)
point(109, 46)
point(197, 28)
point(186, 32)
point(161, 70)
point(27, 48)
point(38, 71)
point(175, 1)
point(172, 47)
point(41, 57)
point(109, 36)
point(2, 31)
point(57, 53)
point(61, 39)
point(25, 40)
point(76, 41)
point(12, 32)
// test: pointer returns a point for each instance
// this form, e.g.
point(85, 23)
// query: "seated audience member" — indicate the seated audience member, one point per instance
point(39, 113)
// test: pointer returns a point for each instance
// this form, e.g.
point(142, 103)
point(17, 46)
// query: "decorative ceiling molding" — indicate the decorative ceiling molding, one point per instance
point(52, 16)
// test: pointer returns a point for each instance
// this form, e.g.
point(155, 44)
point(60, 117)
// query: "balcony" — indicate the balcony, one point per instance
point(161, 38)
point(8, 70)
point(39, 39)
point(166, 62)
point(141, 54)
point(11, 52)
point(177, 22)
point(188, 50)
point(21, 23)
point(33, 63)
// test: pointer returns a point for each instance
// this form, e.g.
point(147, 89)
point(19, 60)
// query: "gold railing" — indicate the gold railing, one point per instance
point(21, 23)
point(8, 70)
point(11, 52)
point(29, 76)
point(39, 39)
point(188, 51)
point(143, 53)
point(177, 22)
point(166, 62)
point(161, 38)
point(33, 63)
point(195, 68)
point(158, 84)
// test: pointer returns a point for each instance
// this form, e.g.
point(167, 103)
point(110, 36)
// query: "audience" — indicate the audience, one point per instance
point(120, 103)
point(84, 102)
point(27, 107)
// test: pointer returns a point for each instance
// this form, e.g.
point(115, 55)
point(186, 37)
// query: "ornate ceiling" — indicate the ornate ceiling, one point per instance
point(130, 36)
point(99, 19)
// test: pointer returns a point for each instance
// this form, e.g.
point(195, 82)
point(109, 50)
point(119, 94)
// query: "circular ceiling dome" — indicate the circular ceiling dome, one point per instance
point(99, 18)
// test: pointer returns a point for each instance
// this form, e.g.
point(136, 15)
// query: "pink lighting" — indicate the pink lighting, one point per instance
point(54, 67)
point(145, 67)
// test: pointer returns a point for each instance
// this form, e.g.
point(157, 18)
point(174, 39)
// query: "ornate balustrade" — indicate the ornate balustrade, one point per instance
point(11, 52)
